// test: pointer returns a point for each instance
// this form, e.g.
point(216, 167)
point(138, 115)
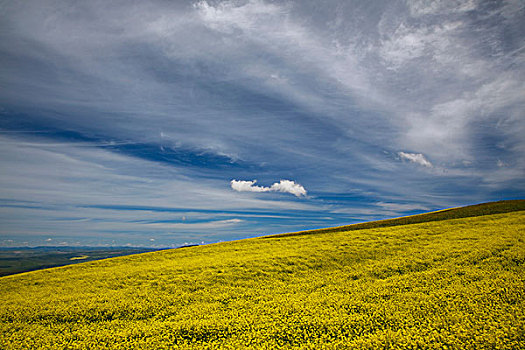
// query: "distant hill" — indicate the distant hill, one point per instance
point(23, 259)
point(445, 214)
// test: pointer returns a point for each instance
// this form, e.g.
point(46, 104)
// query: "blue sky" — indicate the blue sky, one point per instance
point(147, 123)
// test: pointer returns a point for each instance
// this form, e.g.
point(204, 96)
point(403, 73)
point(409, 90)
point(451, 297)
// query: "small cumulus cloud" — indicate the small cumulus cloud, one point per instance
point(417, 158)
point(289, 186)
point(247, 186)
point(286, 186)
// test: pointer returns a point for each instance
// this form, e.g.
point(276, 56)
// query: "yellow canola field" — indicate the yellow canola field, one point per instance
point(454, 284)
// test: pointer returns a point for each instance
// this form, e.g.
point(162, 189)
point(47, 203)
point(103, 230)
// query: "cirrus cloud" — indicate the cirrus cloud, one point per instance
point(417, 158)
point(120, 114)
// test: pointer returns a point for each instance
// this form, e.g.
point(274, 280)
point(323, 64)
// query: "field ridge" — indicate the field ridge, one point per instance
point(489, 208)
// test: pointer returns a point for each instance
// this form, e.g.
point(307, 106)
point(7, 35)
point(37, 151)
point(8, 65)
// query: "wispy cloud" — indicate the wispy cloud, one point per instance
point(160, 104)
point(417, 158)
point(197, 225)
point(397, 207)
point(286, 186)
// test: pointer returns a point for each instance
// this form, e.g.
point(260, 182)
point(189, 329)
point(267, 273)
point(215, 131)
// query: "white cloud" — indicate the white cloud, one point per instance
point(247, 186)
point(417, 158)
point(273, 28)
point(228, 15)
point(287, 186)
point(407, 43)
point(433, 7)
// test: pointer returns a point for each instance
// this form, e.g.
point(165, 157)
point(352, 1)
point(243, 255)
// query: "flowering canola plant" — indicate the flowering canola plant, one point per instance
point(451, 284)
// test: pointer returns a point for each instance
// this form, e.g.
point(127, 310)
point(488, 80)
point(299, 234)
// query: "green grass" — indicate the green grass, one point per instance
point(456, 283)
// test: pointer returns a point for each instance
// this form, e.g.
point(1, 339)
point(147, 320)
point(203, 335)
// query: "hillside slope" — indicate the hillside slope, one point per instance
point(455, 283)
point(490, 208)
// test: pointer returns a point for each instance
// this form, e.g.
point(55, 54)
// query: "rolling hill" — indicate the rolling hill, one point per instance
point(445, 214)
point(448, 279)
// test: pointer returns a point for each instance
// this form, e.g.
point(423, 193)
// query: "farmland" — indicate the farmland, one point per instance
point(457, 282)
point(20, 259)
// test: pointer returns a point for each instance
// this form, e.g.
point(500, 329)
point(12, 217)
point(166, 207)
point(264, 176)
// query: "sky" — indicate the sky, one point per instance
point(165, 123)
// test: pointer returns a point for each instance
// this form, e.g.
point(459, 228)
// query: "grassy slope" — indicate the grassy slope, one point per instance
point(458, 283)
point(445, 214)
